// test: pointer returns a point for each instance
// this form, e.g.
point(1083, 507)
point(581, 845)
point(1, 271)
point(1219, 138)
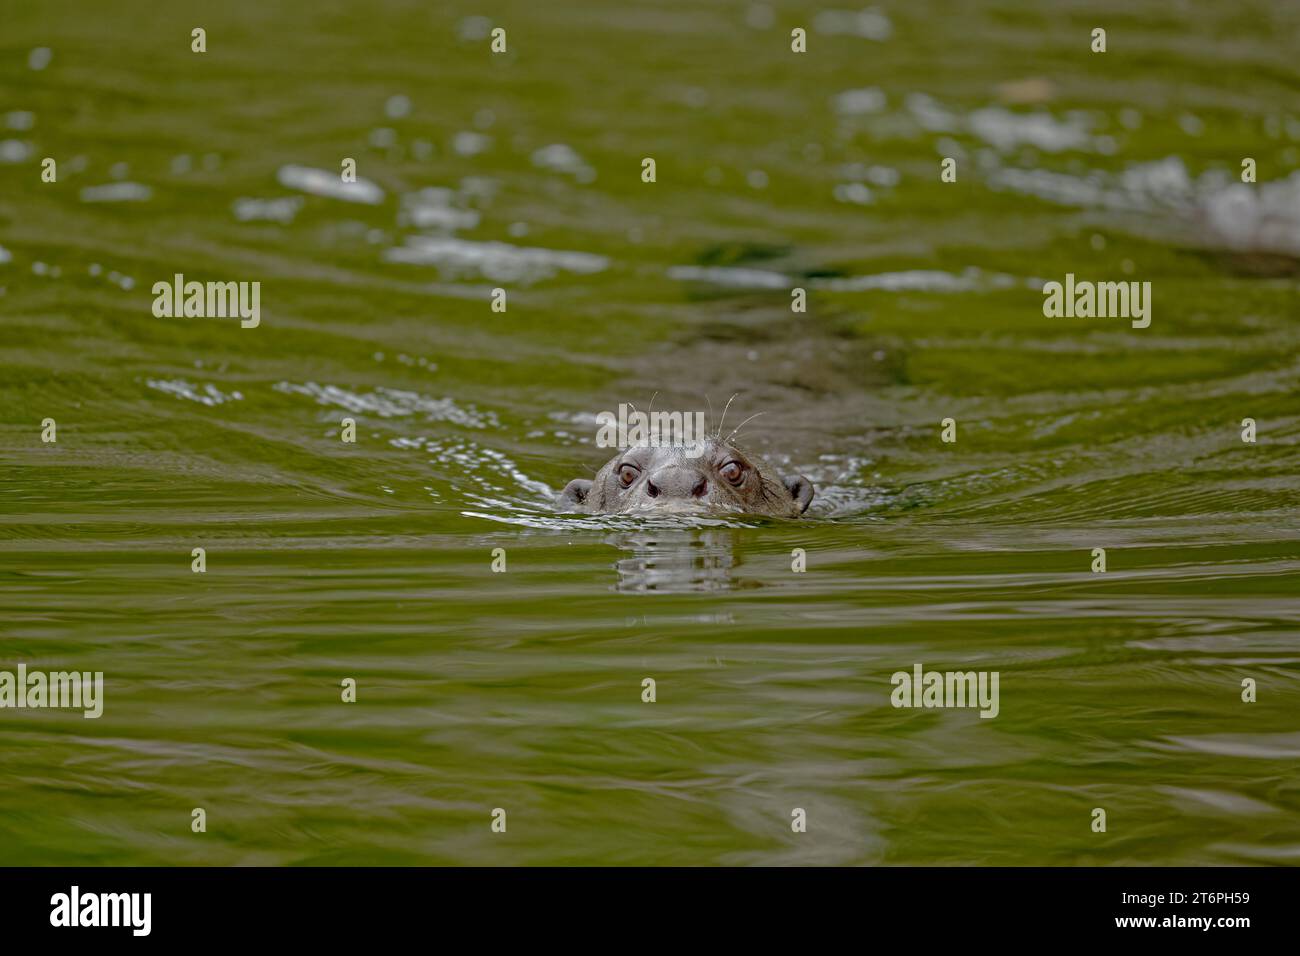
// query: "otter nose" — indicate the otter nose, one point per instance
point(677, 482)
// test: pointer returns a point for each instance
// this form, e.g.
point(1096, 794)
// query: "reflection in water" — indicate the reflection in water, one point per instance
point(674, 561)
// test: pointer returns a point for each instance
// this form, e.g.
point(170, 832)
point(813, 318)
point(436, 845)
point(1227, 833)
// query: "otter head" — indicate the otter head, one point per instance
point(714, 478)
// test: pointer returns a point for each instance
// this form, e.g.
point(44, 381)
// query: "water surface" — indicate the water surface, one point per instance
point(522, 690)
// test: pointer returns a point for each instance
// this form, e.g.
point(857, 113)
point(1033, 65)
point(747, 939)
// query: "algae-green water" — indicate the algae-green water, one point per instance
point(1163, 690)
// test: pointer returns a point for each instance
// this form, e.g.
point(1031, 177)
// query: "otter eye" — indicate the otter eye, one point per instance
point(627, 474)
point(733, 471)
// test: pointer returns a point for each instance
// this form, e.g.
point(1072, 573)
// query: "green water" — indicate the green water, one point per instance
point(522, 690)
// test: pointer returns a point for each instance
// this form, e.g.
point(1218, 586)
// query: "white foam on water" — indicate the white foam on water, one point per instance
point(397, 106)
point(532, 517)
point(207, 394)
point(281, 210)
point(14, 151)
point(392, 403)
point(1055, 187)
point(476, 461)
point(731, 276)
point(1165, 180)
point(928, 112)
point(474, 28)
point(915, 280)
point(319, 182)
point(560, 158)
point(1259, 217)
point(478, 189)
point(493, 260)
point(923, 280)
point(870, 24)
point(1005, 130)
point(1143, 187)
point(469, 143)
point(442, 217)
point(1263, 217)
point(869, 99)
point(433, 208)
point(856, 193)
point(117, 192)
point(21, 120)
point(876, 175)
point(5, 255)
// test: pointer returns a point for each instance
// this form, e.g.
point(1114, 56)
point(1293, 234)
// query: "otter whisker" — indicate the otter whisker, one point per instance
point(706, 398)
point(723, 420)
point(742, 425)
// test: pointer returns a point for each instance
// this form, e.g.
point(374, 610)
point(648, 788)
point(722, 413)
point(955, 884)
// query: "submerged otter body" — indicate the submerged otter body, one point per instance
point(715, 477)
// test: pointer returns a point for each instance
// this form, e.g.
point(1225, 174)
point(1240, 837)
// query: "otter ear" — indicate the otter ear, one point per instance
point(574, 493)
point(801, 490)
